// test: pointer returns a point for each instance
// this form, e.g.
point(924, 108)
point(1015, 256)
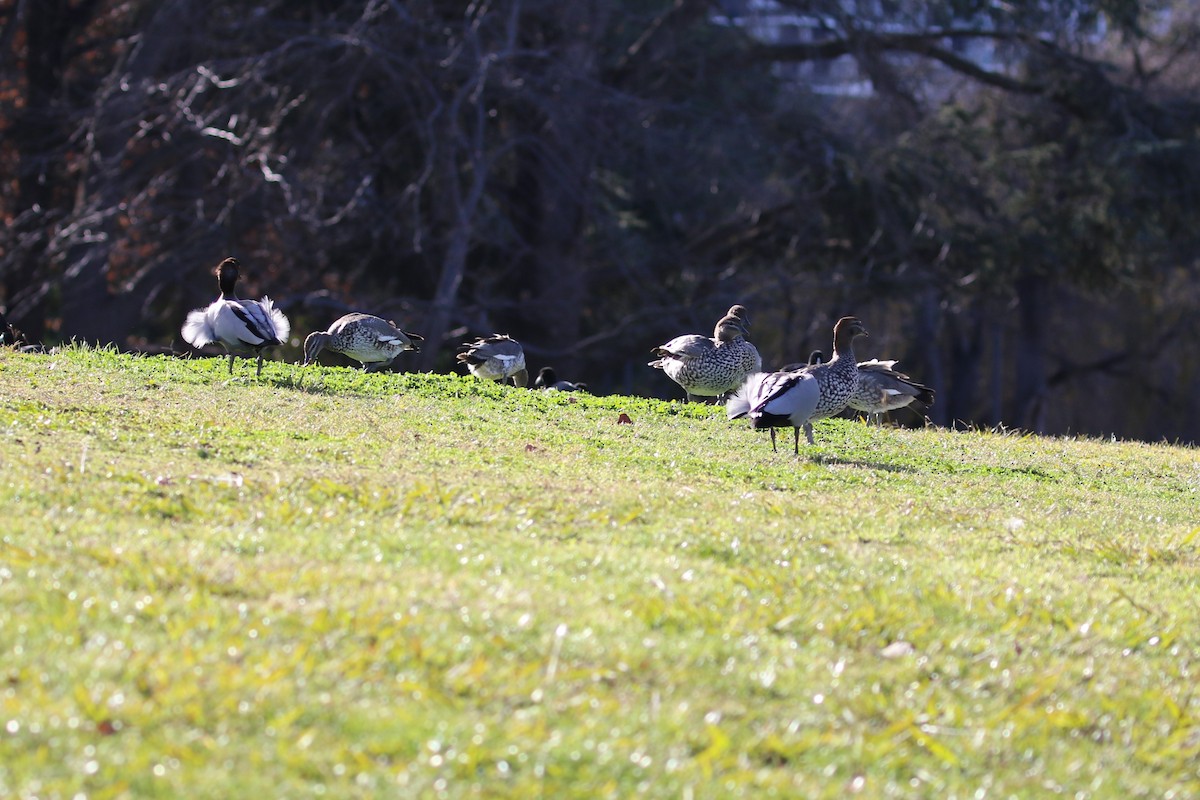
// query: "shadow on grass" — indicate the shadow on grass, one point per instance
point(941, 466)
point(828, 460)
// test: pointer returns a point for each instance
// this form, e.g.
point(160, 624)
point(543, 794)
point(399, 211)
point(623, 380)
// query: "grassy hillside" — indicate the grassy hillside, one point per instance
point(427, 586)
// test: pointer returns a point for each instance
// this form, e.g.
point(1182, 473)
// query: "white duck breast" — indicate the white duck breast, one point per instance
point(784, 398)
point(498, 366)
point(240, 325)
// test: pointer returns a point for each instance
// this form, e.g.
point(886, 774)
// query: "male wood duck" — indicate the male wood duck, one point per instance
point(242, 327)
point(798, 398)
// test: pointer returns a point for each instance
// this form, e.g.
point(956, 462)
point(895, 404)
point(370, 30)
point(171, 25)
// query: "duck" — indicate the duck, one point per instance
point(9, 336)
point(371, 341)
point(547, 379)
point(495, 358)
point(240, 326)
point(796, 398)
point(881, 388)
point(711, 367)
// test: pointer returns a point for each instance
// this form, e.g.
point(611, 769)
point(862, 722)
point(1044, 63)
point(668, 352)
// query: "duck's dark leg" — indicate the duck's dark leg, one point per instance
point(231, 357)
point(772, 430)
point(259, 373)
point(807, 433)
point(796, 443)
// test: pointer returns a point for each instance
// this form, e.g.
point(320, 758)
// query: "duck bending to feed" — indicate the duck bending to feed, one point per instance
point(547, 379)
point(371, 341)
point(495, 358)
point(242, 327)
point(881, 388)
point(711, 367)
point(797, 398)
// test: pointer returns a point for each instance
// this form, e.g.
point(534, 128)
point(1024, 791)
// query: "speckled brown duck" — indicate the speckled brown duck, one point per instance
point(371, 341)
point(495, 358)
point(711, 367)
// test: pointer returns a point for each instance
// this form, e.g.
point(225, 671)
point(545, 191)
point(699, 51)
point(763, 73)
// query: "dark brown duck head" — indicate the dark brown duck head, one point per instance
point(729, 328)
point(739, 312)
point(845, 332)
point(227, 273)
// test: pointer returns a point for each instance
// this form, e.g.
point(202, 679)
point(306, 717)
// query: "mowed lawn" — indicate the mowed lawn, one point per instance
point(328, 583)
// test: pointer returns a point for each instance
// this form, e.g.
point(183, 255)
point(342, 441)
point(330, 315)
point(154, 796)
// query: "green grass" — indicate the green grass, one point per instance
point(426, 586)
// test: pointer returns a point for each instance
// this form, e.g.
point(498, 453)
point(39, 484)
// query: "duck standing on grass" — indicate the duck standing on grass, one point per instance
point(369, 340)
point(881, 388)
point(797, 398)
point(495, 358)
point(240, 326)
point(713, 367)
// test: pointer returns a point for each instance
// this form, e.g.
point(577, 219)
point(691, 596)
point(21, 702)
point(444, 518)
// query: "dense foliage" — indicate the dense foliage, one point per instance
point(1009, 204)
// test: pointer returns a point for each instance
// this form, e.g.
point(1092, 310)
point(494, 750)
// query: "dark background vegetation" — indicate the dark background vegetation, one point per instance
point(597, 176)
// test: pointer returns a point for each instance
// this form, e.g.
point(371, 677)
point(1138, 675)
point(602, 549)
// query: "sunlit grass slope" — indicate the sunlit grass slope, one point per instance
point(427, 586)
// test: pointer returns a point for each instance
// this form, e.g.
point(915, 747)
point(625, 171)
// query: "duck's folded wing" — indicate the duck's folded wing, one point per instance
point(253, 323)
point(691, 345)
point(786, 394)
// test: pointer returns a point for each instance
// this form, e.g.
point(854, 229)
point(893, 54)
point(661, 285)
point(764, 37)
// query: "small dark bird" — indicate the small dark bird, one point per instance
point(242, 327)
point(797, 398)
point(547, 379)
point(9, 336)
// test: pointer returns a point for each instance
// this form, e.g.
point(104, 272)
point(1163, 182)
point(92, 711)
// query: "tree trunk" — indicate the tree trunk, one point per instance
point(37, 137)
point(456, 209)
point(445, 297)
point(1030, 389)
point(929, 318)
point(966, 350)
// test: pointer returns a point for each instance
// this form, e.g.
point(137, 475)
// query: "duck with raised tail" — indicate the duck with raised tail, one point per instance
point(798, 398)
point(242, 327)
